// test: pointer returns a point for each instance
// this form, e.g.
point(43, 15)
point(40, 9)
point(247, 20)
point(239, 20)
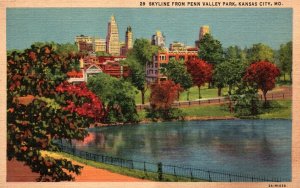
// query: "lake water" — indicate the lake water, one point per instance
point(260, 147)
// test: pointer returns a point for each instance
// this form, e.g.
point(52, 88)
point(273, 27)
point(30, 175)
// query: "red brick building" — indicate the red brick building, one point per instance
point(91, 65)
point(153, 68)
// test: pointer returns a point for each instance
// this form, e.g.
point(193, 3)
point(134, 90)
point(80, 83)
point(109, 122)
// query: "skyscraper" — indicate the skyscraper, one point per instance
point(112, 38)
point(203, 30)
point(158, 39)
point(128, 39)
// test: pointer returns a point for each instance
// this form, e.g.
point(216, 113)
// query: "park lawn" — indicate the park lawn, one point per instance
point(207, 111)
point(205, 93)
point(283, 112)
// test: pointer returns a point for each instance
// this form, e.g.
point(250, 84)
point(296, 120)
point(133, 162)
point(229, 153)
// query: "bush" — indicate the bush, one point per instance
point(168, 114)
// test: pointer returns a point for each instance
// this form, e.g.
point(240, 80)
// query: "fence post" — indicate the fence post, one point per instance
point(283, 95)
point(159, 171)
point(144, 167)
point(229, 177)
point(191, 174)
point(209, 176)
point(175, 172)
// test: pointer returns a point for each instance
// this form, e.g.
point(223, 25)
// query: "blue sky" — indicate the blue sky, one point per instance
point(242, 27)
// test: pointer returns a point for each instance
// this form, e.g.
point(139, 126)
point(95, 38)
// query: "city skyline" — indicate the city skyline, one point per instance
point(242, 27)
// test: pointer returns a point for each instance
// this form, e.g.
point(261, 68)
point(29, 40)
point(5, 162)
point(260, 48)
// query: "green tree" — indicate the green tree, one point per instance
point(260, 52)
point(176, 71)
point(102, 54)
point(230, 72)
point(141, 53)
point(285, 59)
point(210, 50)
point(117, 97)
point(245, 100)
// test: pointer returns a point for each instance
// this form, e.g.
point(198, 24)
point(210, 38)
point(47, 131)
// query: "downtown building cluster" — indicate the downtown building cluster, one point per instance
point(116, 51)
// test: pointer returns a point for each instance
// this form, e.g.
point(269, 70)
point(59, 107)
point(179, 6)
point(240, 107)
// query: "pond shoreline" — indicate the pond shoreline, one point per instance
point(187, 118)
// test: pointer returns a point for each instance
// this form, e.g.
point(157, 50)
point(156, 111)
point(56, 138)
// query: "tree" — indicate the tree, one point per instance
point(177, 72)
point(117, 97)
point(141, 53)
point(230, 71)
point(162, 96)
point(137, 76)
point(285, 59)
point(262, 75)
point(245, 100)
point(210, 50)
point(260, 52)
point(200, 71)
point(42, 108)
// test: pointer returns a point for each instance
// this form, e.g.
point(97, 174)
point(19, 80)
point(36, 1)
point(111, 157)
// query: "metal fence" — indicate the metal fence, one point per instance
point(194, 174)
point(219, 100)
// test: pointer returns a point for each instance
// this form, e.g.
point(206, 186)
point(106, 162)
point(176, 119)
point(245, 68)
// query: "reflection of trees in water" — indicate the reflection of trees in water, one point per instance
point(266, 152)
point(236, 140)
point(161, 141)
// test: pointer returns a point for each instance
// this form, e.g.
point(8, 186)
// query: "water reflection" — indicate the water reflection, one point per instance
point(258, 146)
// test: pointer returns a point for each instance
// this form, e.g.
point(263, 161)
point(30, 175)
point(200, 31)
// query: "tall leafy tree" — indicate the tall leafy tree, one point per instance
point(260, 52)
point(200, 71)
point(230, 71)
point(117, 97)
point(177, 72)
point(42, 108)
point(285, 59)
point(262, 75)
point(141, 53)
point(210, 50)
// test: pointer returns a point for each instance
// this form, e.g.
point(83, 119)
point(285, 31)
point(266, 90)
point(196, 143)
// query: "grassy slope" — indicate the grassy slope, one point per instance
point(120, 170)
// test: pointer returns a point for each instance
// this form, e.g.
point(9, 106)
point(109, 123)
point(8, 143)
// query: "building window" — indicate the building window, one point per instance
point(156, 64)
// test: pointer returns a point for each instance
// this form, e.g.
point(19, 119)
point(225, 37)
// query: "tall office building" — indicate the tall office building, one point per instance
point(203, 30)
point(99, 45)
point(128, 39)
point(112, 38)
point(158, 39)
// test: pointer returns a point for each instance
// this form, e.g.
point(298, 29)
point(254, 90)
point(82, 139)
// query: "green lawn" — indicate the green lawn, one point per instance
point(205, 92)
point(283, 110)
point(204, 111)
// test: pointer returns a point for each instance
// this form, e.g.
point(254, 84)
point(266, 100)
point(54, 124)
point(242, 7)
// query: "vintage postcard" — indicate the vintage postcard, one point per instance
point(149, 93)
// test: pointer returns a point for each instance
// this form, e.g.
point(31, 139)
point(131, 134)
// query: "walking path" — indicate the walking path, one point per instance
point(18, 172)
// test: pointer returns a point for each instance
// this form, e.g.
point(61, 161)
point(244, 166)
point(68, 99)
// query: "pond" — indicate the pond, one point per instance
point(260, 147)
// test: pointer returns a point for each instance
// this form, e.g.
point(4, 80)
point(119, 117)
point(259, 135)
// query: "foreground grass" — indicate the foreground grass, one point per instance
point(122, 170)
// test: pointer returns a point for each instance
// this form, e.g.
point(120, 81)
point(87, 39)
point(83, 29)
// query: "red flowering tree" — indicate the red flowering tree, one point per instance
point(163, 94)
point(263, 75)
point(42, 108)
point(200, 71)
